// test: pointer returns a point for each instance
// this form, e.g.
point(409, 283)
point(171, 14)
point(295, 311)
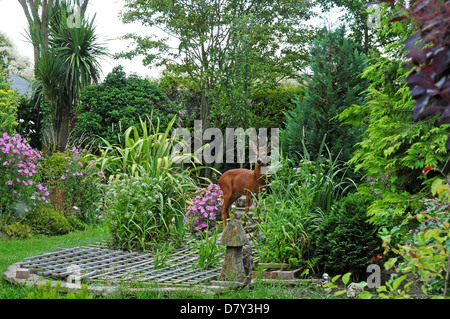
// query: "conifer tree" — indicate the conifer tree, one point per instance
point(332, 85)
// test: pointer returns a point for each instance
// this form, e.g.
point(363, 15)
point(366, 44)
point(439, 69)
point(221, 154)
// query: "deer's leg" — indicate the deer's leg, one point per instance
point(227, 201)
point(247, 202)
point(225, 214)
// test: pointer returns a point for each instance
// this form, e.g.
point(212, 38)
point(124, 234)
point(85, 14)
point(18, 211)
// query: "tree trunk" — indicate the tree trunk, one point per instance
point(204, 116)
point(63, 126)
point(366, 40)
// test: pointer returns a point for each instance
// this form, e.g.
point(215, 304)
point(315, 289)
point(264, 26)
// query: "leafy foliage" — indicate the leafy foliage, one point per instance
point(269, 106)
point(209, 252)
point(9, 100)
point(423, 251)
point(48, 221)
point(145, 200)
point(108, 109)
point(17, 230)
point(142, 211)
point(73, 184)
point(428, 50)
point(293, 210)
point(333, 86)
point(394, 147)
point(53, 290)
point(346, 240)
point(225, 47)
point(147, 153)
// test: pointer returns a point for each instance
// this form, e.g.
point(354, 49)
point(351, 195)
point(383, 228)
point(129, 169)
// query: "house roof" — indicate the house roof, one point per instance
point(19, 84)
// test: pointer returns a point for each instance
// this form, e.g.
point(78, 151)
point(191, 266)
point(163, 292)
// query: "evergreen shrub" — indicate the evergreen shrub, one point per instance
point(49, 221)
point(346, 241)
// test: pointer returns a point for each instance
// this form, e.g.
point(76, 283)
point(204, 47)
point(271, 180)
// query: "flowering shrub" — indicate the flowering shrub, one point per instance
point(72, 182)
point(20, 190)
point(205, 209)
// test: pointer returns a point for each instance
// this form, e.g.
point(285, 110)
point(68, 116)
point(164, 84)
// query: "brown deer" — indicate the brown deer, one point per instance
point(240, 181)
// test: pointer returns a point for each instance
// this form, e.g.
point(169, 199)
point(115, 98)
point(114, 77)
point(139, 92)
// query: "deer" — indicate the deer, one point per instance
point(240, 181)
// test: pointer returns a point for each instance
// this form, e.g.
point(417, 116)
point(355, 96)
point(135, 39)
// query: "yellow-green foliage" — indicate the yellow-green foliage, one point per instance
point(18, 230)
point(394, 147)
point(9, 99)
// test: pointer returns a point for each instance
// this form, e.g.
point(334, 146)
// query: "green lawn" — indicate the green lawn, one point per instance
point(12, 251)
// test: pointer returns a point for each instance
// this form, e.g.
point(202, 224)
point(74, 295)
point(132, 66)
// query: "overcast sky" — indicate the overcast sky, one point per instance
point(109, 27)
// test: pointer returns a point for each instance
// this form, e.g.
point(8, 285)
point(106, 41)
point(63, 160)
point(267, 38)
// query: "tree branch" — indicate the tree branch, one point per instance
point(23, 3)
point(84, 7)
point(33, 5)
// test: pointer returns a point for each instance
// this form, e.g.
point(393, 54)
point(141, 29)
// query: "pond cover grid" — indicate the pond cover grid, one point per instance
point(95, 262)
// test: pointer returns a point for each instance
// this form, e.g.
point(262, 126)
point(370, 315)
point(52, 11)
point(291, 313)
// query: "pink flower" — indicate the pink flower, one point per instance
point(63, 177)
point(10, 182)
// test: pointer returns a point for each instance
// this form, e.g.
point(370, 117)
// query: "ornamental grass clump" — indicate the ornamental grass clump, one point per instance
point(20, 190)
point(205, 209)
point(147, 186)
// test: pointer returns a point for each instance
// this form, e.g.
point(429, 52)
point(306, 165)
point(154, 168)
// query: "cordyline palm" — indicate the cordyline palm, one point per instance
point(70, 64)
